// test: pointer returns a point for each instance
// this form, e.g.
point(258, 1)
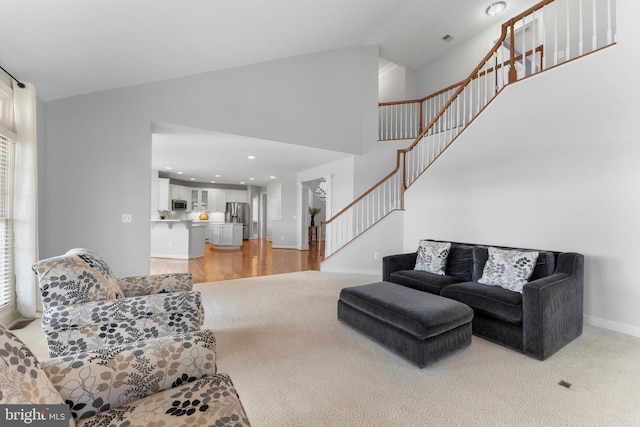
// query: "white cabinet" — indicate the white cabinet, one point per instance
point(236, 196)
point(180, 192)
point(199, 200)
point(225, 235)
point(164, 194)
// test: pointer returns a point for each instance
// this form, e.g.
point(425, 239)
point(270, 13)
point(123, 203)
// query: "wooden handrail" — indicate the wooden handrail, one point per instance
point(402, 155)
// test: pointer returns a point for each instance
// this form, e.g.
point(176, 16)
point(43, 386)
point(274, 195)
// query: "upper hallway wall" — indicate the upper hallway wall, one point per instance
point(96, 159)
point(552, 163)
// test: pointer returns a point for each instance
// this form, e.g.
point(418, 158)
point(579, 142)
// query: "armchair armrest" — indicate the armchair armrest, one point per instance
point(156, 284)
point(105, 312)
point(109, 378)
point(398, 262)
point(553, 308)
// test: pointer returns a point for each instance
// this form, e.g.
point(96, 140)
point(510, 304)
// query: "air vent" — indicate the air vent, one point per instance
point(448, 38)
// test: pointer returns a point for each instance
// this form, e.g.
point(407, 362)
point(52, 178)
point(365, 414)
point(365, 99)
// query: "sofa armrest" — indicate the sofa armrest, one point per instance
point(103, 312)
point(553, 308)
point(397, 262)
point(156, 284)
point(109, 378)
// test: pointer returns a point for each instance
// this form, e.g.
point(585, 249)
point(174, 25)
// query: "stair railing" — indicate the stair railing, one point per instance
point(568, 29)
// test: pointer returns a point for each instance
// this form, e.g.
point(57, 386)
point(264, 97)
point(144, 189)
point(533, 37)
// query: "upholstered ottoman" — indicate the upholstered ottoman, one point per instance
point(419, 326)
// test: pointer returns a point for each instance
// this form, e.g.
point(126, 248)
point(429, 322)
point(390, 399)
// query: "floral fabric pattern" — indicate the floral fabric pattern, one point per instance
point(22, 380)
point(508, 269)
point(209, 401)
point(176, 375)
point(156, 284)
point(86, 309)
point(75, 277)
point(432, 256)
point(110, 378)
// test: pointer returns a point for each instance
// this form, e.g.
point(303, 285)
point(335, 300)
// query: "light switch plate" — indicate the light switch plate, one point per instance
point(126, 218)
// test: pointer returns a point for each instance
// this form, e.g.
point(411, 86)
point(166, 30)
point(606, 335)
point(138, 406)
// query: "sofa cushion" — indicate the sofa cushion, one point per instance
point(432, 256)
point(545, 265)
point(460, 262)
point(422, 280)
point(509, 269)
point(490, 300)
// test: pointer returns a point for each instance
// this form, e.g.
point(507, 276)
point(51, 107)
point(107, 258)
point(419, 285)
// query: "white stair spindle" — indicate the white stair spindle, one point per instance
point(567, 55)
point(580, 29)
point(594, 36)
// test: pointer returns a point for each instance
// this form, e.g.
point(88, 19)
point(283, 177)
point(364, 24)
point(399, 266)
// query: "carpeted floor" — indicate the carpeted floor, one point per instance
point(294, 364)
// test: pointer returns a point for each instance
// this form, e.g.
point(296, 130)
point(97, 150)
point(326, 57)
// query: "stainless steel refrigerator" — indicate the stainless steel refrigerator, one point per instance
point(239, 212)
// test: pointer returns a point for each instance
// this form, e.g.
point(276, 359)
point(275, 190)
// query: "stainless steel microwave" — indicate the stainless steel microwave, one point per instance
point(178, 205)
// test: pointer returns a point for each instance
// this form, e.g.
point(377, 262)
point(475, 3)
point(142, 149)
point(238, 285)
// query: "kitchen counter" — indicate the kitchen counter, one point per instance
point(177, 238)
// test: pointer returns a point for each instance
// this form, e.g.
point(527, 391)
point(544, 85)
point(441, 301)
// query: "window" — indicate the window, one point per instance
point(7, 276)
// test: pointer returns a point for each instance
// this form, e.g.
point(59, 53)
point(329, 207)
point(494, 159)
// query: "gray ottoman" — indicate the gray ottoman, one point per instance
point(419, 326)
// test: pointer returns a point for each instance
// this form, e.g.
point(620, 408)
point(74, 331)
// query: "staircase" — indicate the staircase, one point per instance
point(547, 35)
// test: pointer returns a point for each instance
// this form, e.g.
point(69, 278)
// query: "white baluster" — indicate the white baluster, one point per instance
point(594, 37)
point(568, 48)
point(609, 31)
point(580, 29)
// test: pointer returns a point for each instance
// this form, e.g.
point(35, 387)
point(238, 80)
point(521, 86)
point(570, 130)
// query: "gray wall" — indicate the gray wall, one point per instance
point(96, 161)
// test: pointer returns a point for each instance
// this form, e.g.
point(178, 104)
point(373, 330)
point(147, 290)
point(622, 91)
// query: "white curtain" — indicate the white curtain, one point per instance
point(26, 200)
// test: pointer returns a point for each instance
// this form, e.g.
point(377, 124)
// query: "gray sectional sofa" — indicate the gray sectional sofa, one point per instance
point(546, 316)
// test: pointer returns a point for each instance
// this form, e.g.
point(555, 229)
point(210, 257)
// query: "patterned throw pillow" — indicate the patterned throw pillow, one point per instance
point(432, 256)
point(508, 269)
point(75, 277)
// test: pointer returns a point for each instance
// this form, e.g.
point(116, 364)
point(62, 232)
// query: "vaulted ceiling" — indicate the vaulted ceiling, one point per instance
point(73, 47)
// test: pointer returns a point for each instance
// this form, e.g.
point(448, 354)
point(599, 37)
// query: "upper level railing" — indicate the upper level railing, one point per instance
point(548, 34)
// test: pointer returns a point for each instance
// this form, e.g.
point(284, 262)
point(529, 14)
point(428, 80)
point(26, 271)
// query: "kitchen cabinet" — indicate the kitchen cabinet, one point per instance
point(199, 200)
point(236, 196)
point(164, 194)
point(180, 192)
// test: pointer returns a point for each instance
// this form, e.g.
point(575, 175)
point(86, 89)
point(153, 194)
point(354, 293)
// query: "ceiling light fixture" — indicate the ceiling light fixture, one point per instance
point(241, 182)
point(251, 179)
point(272, 177)
point(192, 179)
point(217, 176)
point(496, 8)
point(213, 182)
point(179, 173)
point(251, 157)
point(168, 168)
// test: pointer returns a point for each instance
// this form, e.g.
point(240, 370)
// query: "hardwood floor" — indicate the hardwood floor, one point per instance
point(255, 258)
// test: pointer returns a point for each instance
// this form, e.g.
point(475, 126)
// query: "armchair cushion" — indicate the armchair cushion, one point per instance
point(75, 277)
point(97, 381)
point(208, 401)
point(93, 325)
point(156, 284)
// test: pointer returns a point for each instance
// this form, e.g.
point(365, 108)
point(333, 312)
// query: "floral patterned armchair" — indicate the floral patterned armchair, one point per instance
point(168, 381)
point(86, 308)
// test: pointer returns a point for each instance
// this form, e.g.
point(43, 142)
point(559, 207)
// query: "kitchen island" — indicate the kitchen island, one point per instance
point(177, 238)
point(226, 235)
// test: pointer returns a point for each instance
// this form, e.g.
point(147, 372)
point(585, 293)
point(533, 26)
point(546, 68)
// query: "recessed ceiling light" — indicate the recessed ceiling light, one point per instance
point(496, 8)
point(251, 179)
point(272, 177)
point(241, 182)
point(179, 173)
point(168, 168)
point(217, 176)
point(213, 182)
point(192, 179)
point(251, 157)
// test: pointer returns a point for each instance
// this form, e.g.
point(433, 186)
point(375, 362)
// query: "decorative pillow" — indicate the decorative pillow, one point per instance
point(75, 277)
point(432, 256)
point(508, 269)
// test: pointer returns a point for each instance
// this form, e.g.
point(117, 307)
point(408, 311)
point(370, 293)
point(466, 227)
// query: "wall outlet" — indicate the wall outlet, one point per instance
point(126, 218)
point(376, 255)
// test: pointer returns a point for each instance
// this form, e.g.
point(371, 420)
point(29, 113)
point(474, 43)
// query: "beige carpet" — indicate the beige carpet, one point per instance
point(294, 364)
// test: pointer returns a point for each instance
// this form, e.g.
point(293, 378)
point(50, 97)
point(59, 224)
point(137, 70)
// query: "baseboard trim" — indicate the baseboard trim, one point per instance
point(325, 269)
point(612, 326)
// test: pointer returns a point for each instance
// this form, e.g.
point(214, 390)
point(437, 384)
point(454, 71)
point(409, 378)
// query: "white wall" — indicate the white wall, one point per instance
point(364, 255)
point(552, 164)
point(97, 160)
